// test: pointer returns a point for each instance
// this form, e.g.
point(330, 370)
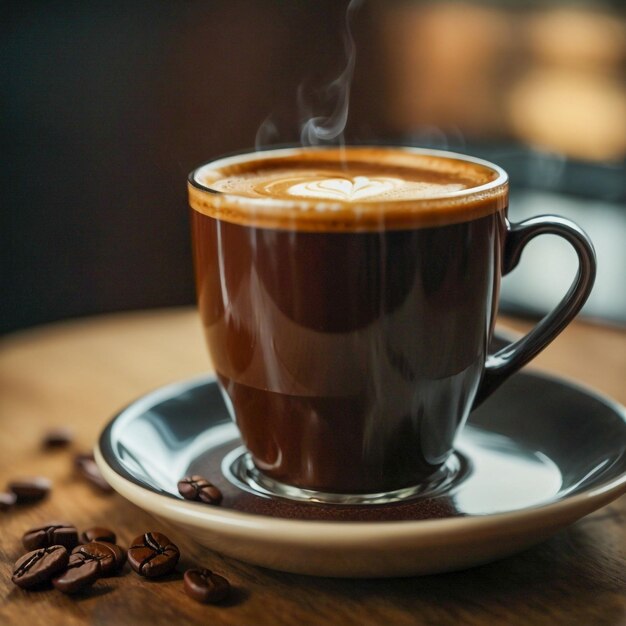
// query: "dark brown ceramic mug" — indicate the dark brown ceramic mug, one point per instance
point(350, 335)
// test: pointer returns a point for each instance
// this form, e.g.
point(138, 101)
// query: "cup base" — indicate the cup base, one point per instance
point(239, 469)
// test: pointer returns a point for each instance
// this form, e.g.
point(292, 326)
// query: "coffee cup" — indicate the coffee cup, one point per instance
point(348, 298)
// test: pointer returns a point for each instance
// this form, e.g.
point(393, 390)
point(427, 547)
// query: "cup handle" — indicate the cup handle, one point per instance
point(506, 361)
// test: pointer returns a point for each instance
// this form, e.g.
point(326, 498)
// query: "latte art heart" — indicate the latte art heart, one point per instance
point(346, 189)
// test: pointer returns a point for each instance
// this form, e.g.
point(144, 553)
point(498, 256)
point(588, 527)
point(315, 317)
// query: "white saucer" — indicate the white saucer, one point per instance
point(540, 453)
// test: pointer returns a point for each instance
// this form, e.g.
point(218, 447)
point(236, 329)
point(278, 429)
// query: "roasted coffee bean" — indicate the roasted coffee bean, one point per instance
point(199, 488)
point(96, 551)
point(30, 489)
point(97, 533)
point(57, 438)
point(51, 534)
point(39, 566)
point(87, 467)
point(110, 556)
point(83, 457)
point(81, 572)
point(7, 500)
point(120, 554)
point(152, 555)
point(205, 586)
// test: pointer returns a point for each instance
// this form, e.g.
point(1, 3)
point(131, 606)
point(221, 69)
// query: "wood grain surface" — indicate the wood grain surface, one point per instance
point(80, 373)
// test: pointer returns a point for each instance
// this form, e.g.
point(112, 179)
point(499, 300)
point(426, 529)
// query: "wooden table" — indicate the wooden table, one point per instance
point(79, 373)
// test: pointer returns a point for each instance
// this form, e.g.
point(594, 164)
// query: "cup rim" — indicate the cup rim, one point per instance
point(240, 156)
point(322, 214)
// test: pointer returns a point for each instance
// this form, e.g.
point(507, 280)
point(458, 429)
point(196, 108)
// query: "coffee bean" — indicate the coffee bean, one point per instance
point(7, 500)
point(199, 488)
point(97, 533)
point(51, 534)
point(39, 566)
point(57, 438)
point(80, 573)
point(86, 465)
point(110, 556)
point(120, 554)
point(30, 489)
point(205, 586)
point(152, 555)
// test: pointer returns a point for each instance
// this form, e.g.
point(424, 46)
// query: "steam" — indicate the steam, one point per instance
point(266, 135)
point(318, 129)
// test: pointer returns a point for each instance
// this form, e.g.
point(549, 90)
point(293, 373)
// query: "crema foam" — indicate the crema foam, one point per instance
point(347, 188)
point(332, 185)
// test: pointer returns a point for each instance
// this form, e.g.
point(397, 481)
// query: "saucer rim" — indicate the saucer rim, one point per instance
point(286, 531)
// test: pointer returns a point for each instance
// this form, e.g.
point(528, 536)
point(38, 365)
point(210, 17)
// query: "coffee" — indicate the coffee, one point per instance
point(312, 327)
point(51, 534)
point(110, 556)
point(38, 567)
point(347, 189)
point(80, 574)
point(60, 437)
point(30, 489)
point(86, 466)
point(200, 489)
point(205, 586)
point(153, 555)
point(348, 297)
point(98, 533)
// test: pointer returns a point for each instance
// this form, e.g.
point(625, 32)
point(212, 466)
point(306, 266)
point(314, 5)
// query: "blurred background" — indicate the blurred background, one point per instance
point(106, 107)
